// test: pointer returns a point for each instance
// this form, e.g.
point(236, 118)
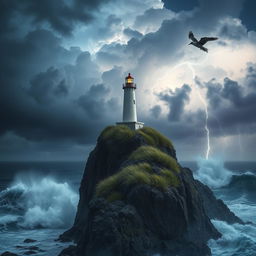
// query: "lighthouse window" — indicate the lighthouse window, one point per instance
point(133, 101)
point(129, 80)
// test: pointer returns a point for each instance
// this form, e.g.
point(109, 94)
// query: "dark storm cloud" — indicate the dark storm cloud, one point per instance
point(248, 14)
point(167, 43)
point(232, 92)
point(40, 90)
point(112, 54)
point(156, 111)
point(61, 15)
point(160, 47)
point(94, 103)
point(83, 73)
point(233, 30)
point(180, 5)
point(176, 101)
point(231, 108)
point(180, 124)
point(231, 105)
point(23, 58)
point(213, 93)
point(152, 18)
point(49, 93)
point(190, 127)
point(207, 16)
point(47, 85)
point(79, 121)
point(251, 75)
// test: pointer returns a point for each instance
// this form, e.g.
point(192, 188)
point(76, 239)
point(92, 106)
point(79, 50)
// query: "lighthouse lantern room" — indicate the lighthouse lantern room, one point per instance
point(129, 105)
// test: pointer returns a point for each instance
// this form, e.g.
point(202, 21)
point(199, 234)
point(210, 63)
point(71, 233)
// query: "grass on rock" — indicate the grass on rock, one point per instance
point(141, 173)
point(122, 133)
point(118, 133)
point(154, 138)
point(152, 154)
point(143, 159)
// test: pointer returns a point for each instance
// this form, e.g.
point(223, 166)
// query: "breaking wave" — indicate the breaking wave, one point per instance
point(237, 239)
point(213, 173)
point(37, 203)
point(238, 190)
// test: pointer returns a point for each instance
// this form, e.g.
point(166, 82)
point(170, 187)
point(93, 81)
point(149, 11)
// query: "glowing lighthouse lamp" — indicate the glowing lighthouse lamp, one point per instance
point(129, 107)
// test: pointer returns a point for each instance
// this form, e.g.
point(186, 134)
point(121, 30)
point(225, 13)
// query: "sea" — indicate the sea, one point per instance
point(38, 201)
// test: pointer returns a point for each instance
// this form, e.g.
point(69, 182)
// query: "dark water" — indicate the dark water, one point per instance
point(38, 200)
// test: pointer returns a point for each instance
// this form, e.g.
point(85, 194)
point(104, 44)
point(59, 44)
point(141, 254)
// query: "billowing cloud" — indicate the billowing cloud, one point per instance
point(180, 5)
point(47, 86)
point(60, 15)
point(232, 105)
point(176, 101)
point(63, 64)
point(156, 111)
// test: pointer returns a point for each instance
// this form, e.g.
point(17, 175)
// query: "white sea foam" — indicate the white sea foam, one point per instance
point(236, 239)
point(213, 173)
point(38, 202)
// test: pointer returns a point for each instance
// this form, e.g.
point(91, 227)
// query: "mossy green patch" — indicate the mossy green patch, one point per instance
point(129, 175)
point(149, 165)
point(149, 153)
point(118, 133)
point(170, 177)
point(159, 182)
point(141, 173)
point(154, 138)
point(122, 133)
point(107, 186)
point(114, 196)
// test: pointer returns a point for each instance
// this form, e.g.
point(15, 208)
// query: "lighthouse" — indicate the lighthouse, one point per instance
point(129, 105)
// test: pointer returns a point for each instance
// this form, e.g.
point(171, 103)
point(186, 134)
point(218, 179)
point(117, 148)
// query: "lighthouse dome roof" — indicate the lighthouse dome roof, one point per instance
point(129, 76)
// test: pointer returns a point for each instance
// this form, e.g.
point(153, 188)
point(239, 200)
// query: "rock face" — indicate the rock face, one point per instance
point(135, 199)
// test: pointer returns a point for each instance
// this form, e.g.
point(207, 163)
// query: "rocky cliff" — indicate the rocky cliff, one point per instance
point(135, 199)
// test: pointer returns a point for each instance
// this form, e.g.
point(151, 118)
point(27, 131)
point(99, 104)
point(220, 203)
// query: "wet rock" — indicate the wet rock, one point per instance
point(216, 208)
point(70, 251)
point(146, 220)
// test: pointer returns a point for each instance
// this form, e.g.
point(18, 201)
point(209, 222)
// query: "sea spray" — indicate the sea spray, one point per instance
point(37, 203)
point(238, 192)
point(237, 239)
point(212, 173)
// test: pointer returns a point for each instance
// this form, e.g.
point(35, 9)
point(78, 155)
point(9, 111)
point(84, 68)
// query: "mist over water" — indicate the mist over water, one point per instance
point(37, 202)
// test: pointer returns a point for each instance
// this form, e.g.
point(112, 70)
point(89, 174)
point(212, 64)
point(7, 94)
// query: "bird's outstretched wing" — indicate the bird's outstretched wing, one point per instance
point(204, 40)
point(191, 36)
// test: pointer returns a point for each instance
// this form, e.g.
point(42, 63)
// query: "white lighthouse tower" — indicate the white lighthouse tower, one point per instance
point(129, 107)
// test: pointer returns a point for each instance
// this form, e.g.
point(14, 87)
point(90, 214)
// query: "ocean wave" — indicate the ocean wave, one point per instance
point(237, 239)
point(245, 182)
point(213, 173)
point(37, 203)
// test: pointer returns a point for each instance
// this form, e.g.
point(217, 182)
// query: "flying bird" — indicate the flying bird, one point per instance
point(199, 44)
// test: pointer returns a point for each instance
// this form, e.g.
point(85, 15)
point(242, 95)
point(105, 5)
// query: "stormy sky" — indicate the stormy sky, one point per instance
point(63, 64)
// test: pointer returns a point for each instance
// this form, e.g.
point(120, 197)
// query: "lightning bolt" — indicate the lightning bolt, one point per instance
point(205, 106)
point(204, 103)
point(206, 124)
